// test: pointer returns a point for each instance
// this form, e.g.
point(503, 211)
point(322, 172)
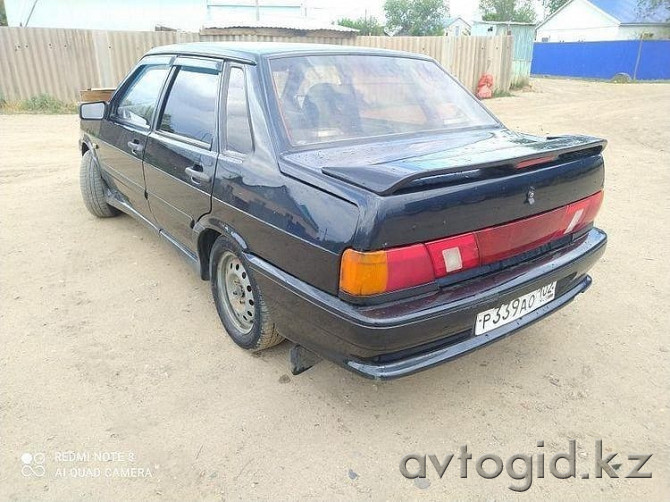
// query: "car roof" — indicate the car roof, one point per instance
point(252, 52)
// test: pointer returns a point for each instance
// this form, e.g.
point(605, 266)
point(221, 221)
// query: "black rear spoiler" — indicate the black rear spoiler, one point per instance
point(388, 179)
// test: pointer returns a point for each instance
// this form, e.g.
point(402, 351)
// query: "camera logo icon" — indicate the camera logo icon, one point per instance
point(33, 464)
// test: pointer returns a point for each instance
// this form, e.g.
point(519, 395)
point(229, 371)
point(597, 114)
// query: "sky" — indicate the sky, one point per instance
point(325, 11)
point(335, 9)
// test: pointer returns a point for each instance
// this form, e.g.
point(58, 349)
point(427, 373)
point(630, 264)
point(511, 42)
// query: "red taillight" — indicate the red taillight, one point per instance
point(408, 266)
point(505, 241)
point(375, 272)
point(581, 213)
point(454, 254)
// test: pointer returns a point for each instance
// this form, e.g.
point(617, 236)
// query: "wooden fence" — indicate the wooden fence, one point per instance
point(61, 62)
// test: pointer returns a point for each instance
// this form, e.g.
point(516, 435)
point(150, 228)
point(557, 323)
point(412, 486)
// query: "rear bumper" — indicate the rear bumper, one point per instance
point(396, 339)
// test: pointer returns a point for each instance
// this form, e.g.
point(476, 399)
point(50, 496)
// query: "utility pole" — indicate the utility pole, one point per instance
point(32, 9)
point(643, 35)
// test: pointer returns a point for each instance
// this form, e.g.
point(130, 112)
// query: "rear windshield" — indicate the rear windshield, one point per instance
point(338, 97)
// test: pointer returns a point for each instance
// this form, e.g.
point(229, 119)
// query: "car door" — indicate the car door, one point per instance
point(181, 152)
point(123, 134)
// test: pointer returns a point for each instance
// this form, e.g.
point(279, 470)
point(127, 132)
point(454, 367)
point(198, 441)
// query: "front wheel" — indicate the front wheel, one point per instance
point(238, 299)
point(93, 188)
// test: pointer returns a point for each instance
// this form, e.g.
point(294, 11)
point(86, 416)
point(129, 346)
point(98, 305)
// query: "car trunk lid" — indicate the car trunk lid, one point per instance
point(425, 190)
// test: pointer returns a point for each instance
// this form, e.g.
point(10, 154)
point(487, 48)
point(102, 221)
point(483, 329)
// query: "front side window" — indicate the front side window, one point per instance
point(138, 102)
point(338, 97)
point(190, 110)
point(238, 131)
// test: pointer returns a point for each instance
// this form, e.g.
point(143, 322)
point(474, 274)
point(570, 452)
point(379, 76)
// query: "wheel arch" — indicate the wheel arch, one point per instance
point(207, 231)
point(86, 145)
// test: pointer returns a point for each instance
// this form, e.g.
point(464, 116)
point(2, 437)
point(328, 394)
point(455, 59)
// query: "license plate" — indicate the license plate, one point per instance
point(508, 312)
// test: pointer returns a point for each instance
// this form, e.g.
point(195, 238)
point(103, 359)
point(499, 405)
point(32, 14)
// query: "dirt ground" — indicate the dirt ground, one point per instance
point(111, 346)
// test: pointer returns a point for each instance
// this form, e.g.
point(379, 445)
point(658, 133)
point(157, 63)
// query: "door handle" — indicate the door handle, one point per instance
point(196, 174)
point(135, 146)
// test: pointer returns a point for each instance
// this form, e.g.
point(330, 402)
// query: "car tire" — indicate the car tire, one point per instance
point(238, 298)
point(93, 188)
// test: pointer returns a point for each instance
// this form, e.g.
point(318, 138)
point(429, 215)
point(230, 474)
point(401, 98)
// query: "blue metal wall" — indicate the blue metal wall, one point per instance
point(603, 59)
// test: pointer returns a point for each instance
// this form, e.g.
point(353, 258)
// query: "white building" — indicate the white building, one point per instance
point(595, 20)
point(456, 27)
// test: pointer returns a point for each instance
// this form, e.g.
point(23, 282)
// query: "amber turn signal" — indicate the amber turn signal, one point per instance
point(363, 274)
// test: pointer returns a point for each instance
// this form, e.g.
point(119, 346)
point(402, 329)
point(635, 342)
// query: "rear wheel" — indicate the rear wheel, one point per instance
point(238, 299)
point(93, 188)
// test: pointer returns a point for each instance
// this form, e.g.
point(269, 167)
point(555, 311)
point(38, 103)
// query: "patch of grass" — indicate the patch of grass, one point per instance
point(499, 93)
point(42, 103)
point(520, 84)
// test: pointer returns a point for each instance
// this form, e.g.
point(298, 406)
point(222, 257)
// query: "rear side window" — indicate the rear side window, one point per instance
point(238, 131)
point(138, 102)
point(190, 110)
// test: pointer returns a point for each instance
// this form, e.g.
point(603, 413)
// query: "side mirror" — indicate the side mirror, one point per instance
point(93, 111)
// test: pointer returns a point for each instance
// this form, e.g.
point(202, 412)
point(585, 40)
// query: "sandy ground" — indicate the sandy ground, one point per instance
point(110, 343)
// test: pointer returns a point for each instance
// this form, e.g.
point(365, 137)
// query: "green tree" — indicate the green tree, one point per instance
point(649, 6)
point(3, 14)
point(415, 17)
point(364, 25)
point(520, 11)
point(551, 6)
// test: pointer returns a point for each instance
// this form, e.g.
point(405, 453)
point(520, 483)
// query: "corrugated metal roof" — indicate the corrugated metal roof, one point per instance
point(633, 11)
point(514, 23)
point(285, 24)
